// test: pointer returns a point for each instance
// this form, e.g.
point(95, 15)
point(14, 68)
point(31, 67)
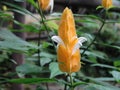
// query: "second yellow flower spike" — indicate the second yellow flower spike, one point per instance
point(46, 4)
point(107, 3)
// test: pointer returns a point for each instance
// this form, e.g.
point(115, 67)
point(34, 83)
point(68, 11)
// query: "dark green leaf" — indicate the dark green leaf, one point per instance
point(10, 41)
point(104, 66)
point(20, 10)
point(32, 80)
point(27, 69)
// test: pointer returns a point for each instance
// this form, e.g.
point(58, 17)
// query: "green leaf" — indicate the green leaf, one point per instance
point(27, 69)
point(20, 10)
point(61, 81)
point(89, 16)
point(99, 7)
point(47, 55)
point(97, 54)
point(88, 36)
point(28, 27)
point(32, 80)
point(96, 81)
point(32, 2)
point(20, 0)
point(44, 61)
point(105, 79)
point(6, 16)
point(52, 25)
point(12, 42)
point(100, 87)
point(79, 83)
point(117, 63)
point(111, 46)
point(54, 68)
point(116, 75)
point(3, 56)
point(46, 44)
point(104, 66)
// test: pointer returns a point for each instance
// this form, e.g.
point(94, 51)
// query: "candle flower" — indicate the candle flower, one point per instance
point(68, 52)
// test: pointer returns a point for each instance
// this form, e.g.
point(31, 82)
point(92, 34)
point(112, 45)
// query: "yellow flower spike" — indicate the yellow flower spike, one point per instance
point(107, 3)
point(68, 52)
point(46, 4)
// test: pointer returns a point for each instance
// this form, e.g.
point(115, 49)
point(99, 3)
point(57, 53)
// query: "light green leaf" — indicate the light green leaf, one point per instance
point(104, 79)
point(99, 7)
point(116, 75)
point(46, 44)
point(117, 63)
point(54, 68)
point(44, 61)
point(47, 55)
point(52, 25)
point(32, 2)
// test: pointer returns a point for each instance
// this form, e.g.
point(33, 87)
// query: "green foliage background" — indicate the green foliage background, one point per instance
point(100, 63)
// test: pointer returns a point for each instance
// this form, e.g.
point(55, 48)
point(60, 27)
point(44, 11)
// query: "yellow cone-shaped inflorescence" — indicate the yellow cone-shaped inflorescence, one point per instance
point(68, 62)
point(68, 52)
point(107, 3)
point(46, 4)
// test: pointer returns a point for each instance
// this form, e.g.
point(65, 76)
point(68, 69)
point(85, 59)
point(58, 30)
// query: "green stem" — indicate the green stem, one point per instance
point(39, 48)
point(66, 79)
point(43, 18)
point(93, 39)
point(47, 86)
point(65, 87)
point(103, 23)
point(71, 81)
point(39, 41)
point(43, 22)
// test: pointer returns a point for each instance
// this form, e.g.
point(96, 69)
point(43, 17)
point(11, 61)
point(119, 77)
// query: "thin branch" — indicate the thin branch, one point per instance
point(71, 81)
point(103, 23)
point(93, 39)
point(43, 22)
point(39, 41)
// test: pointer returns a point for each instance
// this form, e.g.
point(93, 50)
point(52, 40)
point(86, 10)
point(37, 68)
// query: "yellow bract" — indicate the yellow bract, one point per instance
point(44, 4)
point(68, 61)
point(107, 3)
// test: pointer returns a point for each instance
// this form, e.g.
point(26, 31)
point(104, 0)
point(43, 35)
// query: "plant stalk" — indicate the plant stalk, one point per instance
point(93, 39)
point(100, 29)
point(71, 81)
